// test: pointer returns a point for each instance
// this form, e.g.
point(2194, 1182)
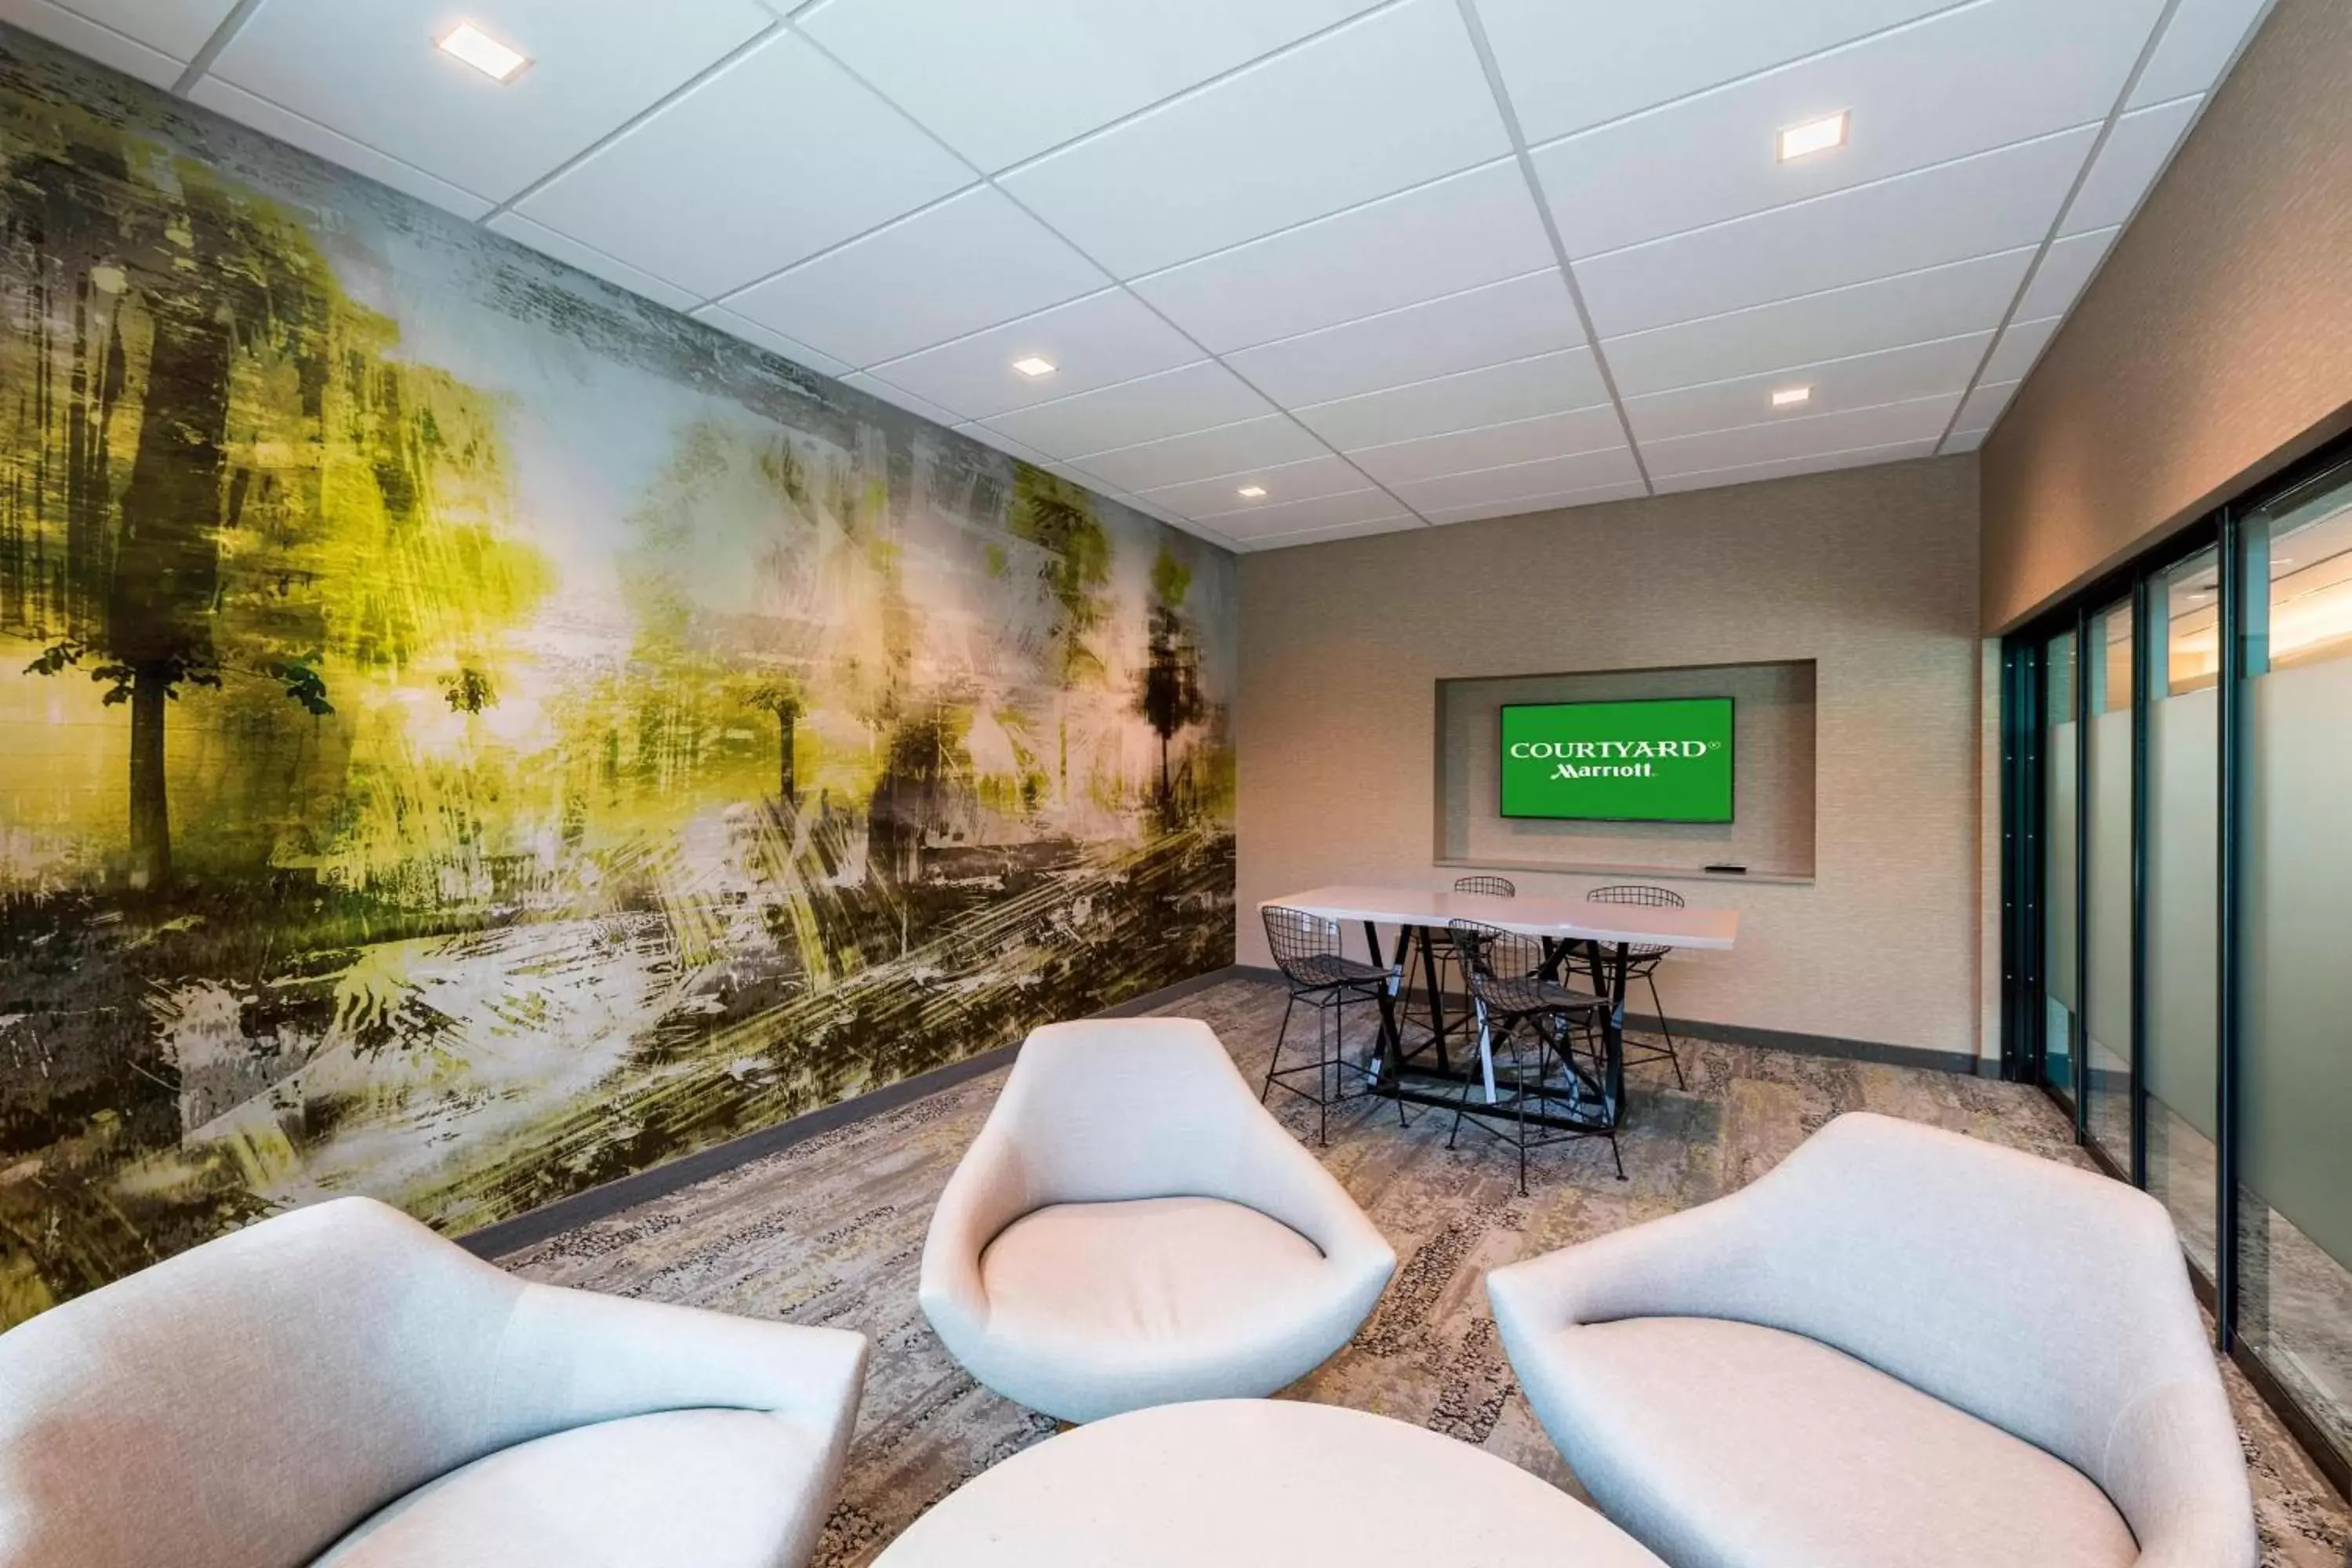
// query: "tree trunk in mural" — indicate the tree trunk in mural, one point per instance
point(166, 565)
point(151, 813)
point(785, 783)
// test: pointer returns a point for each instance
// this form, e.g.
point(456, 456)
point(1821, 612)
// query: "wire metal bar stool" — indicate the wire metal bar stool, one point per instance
point(1641, 963)
point(1517, 1008)
point(1440, 973)
point(1306, 950)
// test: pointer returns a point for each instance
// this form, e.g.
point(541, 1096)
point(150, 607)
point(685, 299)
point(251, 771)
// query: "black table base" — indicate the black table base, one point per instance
point(1425, 1072)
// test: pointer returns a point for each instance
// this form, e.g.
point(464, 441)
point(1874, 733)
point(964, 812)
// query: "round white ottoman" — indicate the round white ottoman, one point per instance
point(1259, 1483)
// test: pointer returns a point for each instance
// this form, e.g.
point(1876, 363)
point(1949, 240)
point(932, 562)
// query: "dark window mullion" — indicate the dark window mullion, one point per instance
point(2078, 1026)
point(2230, 716)
point(2143, 662)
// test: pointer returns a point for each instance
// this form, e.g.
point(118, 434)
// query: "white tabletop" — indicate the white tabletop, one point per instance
point(1566, 919)
point(1259, 1483)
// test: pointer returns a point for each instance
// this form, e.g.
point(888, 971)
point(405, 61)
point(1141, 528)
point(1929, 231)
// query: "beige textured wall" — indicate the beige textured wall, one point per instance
point(2215, 345)
point(1871, 572)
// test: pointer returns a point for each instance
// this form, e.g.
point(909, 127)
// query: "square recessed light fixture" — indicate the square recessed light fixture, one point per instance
point(1252, 492)
point(1814, 136)
point(1033, 366)
point(1792, 396)
point(485, 54)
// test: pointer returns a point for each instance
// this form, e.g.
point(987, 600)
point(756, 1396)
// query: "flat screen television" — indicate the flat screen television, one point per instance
point(1659, 760)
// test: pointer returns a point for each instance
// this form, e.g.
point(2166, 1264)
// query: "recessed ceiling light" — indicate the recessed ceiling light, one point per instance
point(1814, 136)
point(1791, 396)
point(481, 51)
point(1033, 365)
point(1253, 492)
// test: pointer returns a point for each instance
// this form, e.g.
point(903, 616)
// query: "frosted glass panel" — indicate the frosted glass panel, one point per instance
point(2106, 1017)
point(2183, 844)
point(2295, 1072)
point(2107, 1020)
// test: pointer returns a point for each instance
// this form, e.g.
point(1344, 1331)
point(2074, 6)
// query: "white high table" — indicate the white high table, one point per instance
point(1259, 1483)
point(1606, 932)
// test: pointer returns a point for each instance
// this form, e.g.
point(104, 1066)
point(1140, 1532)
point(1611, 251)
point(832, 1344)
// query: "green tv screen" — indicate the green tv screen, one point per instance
point(1664, 761)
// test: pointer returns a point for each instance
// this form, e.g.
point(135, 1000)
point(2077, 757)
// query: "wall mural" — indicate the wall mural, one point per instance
point(467, 734)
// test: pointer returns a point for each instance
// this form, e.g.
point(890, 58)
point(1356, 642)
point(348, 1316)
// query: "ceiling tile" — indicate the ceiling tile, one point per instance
point(1985, 405)
point(1398, 524)
point(890, 392)
point(2067, 268)
point(367, 70)
point(269, 119)
point(1384, 102)
point(768, 338)
point(969, 262)
point(684, 194)
point(1964, 440)
point(1520, 389)
point(179, 29)
point(2020, 346)
point(1149, 408)
point(1863, 380)
point(1320, 511)
point(958, 67)
point(1750, 473)
point(1494, 447)
point(110, 41)
point(1918, 97)
point(1205, 453)
point(1522, 481)
point(1475, 227)
point(1886, 312)
point(1480, 327)
point(1569, 64)
point(1587, 496)
point(1994, 202)
point(2136, 153)
point(588, 260)
point(1283, 483)
point(1098, 341)
point(1799, 440)
point(2204, 37)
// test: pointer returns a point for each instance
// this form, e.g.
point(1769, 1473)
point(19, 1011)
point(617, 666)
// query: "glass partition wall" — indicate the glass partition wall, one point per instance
point(2177, 911)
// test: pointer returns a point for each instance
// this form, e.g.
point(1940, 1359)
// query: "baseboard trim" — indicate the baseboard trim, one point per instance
point(659, 1180)
point(1933, 1061)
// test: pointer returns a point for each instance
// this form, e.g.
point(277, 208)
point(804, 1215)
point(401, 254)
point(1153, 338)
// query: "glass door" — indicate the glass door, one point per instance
point(2293, 1125)
point(2180, 1091)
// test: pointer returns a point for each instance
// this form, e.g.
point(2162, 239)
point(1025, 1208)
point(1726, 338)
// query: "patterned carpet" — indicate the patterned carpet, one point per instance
point(831, 1231)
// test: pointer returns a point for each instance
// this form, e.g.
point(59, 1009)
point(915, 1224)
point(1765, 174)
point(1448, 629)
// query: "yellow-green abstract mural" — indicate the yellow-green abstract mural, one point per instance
point(467, 734)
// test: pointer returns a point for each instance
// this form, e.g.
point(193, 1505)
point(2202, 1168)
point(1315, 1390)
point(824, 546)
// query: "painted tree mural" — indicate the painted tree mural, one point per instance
point(233, 443)
point(465, 734)
point(1168, 693)
point(1057, 516)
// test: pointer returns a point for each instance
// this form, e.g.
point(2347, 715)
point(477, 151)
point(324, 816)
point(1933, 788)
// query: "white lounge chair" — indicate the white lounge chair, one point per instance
point(1132, 1228)
point(339, 1386)
point(1901, 1346)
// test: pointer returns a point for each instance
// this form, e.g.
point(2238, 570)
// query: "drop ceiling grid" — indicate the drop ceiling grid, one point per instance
point(1122, 284)
point(1764, 48)
point(1953, 431)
